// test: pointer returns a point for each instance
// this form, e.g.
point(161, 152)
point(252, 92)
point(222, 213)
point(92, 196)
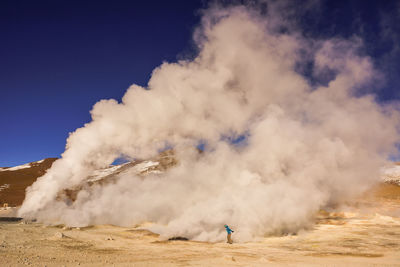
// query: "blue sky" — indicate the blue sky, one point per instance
point(58, 58)
point(61, 57)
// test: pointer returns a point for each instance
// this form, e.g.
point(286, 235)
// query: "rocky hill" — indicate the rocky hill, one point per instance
point(14, 180)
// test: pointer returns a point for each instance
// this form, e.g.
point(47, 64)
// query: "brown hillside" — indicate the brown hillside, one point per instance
point(18, 180)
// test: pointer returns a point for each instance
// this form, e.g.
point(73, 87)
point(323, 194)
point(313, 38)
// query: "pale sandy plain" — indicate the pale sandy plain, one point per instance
point(365, 232)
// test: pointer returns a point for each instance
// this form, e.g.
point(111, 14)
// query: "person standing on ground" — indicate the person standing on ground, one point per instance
point(229, 231)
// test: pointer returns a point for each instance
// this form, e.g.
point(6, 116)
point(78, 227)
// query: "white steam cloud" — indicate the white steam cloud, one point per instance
point(305, 147)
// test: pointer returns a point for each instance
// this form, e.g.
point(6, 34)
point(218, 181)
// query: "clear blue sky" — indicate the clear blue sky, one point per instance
point(58, 58)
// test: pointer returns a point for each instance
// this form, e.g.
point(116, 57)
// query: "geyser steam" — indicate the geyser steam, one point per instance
point(306, 145)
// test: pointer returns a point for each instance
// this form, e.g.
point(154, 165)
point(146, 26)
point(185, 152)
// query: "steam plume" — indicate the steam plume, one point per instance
point(307, 144)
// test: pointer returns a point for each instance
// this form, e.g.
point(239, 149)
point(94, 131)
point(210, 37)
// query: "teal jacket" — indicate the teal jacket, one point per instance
point(228, 230)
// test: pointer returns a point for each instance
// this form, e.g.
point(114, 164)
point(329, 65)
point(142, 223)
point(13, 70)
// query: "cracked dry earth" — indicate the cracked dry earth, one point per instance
point(366, 233)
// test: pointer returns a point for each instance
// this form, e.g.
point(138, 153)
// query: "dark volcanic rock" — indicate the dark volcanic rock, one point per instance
point(178, 238)
point(10, 219)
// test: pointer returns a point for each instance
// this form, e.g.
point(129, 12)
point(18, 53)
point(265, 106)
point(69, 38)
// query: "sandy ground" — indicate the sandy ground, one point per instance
point(360, 235)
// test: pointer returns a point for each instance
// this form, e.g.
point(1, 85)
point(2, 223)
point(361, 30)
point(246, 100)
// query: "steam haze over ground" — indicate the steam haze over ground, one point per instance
point(278, 144)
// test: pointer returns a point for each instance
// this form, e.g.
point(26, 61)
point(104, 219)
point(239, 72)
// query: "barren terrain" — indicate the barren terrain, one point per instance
point(363, 233)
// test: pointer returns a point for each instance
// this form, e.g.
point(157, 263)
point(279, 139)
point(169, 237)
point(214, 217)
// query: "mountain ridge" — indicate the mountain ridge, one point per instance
point(15, 180)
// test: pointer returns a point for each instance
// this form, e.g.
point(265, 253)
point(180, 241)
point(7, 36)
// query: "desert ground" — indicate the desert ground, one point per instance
point(365, 232)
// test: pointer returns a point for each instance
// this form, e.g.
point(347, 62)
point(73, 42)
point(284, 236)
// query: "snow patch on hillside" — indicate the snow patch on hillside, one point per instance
point(100, 174)
point(4, 186)
point(146, 166)
point(24, 166)
point(391, 174)
point(20, 167)
point(140, 168)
